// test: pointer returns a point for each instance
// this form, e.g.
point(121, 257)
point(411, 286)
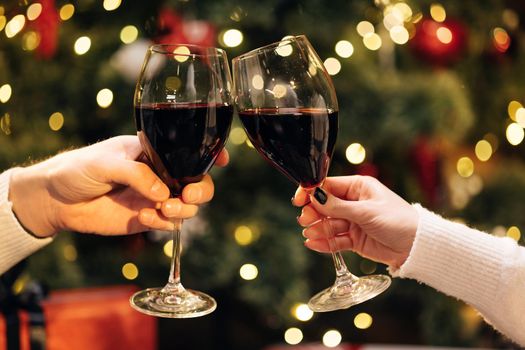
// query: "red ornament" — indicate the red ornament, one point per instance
point(46, 25)
point(174, 29)
point(440, 43)
point(425, 161)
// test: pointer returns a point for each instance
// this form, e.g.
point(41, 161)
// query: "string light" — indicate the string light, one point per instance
point(243, 235)
point(66, 12)
point(332, 338)
point(130, 271)
point(232, 38)
point(344, 48)
point(237, 136)
point(111, 5)
point(514, 233)
point(129, 34)
point(404, 9)
point(33, 11)
point(355, 153)
point(248, 272)
point(181, 53)
point(56, 121)
point(5, 124)
point(293, 336)
point(520, 116)
point(284, 49)
point(501, 39)
point(483, 150)
point(3, 21)
point(399, 35)
point(168, 248)
point(512, 108)
point(372, 41)
point(105, 98)
point(444, 35)
point(302, 312)
point(364, 28)
point(82, 45)
point(438, 13)
point(363, 320)
point(30, 41)
point(5, 93)
point(332, 65)
point(70, 252)
point(15, 25)
point(465, 167)
point(514, 134)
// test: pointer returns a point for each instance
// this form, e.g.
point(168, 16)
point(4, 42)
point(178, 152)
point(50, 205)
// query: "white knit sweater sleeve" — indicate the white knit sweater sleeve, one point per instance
point(15, 242)
point(485, 271)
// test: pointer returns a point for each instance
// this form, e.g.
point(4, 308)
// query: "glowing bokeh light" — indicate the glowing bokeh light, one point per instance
point(465, 167)
point(514, 134)
point(293, 336)
point(438, 13)
point(105, 98)
point(332, 338)
point(364, 28)
point(243, 234)
point(66, 12)
point(232, 37)
point(56, 121)
point(181, 53)
point(404, 9)
point(512, 108)
point(3, 21)
point(15, 25)
point(168, 248)
point(70, 252)
point(372, 41)
point(501, 39)
point(248, 272)
point(5, 93)
point(520, 117)
point(344, 48)
point(514, 233)
point(399, 35)
point(363, 320)
point(130, 271)
point(302, 312)
point(258, 82)
point(30, 41)
point(444, 35)
point(129, 34)
point(237, 136)
point(33, 11)
point(332, 65)
point(82, 45)
point(111, 5)
point(483, 150)
point(355, 153)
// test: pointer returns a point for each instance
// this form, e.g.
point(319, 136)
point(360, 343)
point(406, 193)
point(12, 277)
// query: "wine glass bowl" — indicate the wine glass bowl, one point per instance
point(183, 113)
point(287, 104)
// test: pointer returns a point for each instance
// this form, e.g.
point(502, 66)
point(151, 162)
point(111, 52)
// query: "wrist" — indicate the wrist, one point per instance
point(31, 204)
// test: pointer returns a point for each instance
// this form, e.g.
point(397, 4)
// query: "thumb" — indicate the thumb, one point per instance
point(334, 207)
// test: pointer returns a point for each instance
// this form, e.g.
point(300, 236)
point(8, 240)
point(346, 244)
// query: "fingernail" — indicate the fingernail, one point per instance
point(172, 209)
point(320, 195)
point(194, 194)
point(157, 187)
point(291, 200)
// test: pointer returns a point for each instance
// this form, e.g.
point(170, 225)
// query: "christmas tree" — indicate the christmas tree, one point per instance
point(430, 98)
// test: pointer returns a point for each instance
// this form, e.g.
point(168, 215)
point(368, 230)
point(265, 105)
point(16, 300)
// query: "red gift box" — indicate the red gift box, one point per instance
point(91, 318)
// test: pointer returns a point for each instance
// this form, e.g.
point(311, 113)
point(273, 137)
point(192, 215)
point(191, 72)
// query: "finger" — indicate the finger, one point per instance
point(223, 158)
point(308, 216)
point(152, 219)
point(175, 208)
point(136, 175)
point(300, 197)
point(199, 192)
point(343, 242)
point(329, 205)
point(348, 187)
point(326, 228)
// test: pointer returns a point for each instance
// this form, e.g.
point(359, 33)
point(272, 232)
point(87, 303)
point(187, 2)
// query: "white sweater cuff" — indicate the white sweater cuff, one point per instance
point(15, 242)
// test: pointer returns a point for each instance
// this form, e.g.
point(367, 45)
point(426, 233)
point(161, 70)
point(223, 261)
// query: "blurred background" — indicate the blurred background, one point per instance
point(430, 97)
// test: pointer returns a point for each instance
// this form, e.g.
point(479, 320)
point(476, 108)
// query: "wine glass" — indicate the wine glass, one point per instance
point(288, 107)
point(183, 113)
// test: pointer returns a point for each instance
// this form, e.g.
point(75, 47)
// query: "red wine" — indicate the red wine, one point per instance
point(182, 141)
point(298, 142)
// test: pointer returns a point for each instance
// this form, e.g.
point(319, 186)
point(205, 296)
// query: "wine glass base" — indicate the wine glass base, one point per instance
point(185, 304)
point(347, 293)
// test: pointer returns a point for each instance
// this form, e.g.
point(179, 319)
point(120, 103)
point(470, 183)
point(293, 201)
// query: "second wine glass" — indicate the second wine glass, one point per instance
point(288, 106)
point(183, 113)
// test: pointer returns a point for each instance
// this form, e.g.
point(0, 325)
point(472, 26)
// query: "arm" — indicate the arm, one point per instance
point(485, 271)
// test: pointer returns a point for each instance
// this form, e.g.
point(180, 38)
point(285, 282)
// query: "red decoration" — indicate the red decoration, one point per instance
point(46, 25)
point(425, 160)
point(439, 43)
point(92, 318)
point(174, 29)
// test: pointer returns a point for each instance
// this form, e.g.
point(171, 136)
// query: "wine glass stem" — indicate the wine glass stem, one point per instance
point(174, 277)
point(341, 270)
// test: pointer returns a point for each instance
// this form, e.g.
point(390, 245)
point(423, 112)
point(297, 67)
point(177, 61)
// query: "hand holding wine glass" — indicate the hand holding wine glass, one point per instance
point(183, 113)
point(287, 104)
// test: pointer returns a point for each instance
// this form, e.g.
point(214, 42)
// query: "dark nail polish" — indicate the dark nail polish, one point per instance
point(320, 195)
